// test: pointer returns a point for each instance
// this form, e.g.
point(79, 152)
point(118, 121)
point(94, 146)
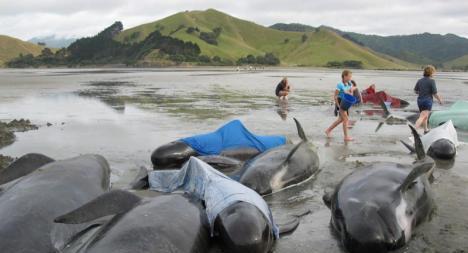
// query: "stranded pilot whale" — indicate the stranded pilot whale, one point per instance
point(29, 204)
point(281, 166)
point(163, 224)
point(440, 143)
point(231, 140)
point(375, 209)
point(238, 218)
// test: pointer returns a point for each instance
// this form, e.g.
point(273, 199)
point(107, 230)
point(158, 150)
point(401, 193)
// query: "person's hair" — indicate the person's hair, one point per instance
point(345, 73)
point(284, 81)
point(429, 71)
point(354, 83)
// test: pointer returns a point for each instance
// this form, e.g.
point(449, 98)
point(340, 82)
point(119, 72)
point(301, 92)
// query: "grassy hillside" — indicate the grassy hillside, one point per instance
point(423, 48)
point(240, 38)
point(12, 47)
point(459, 63)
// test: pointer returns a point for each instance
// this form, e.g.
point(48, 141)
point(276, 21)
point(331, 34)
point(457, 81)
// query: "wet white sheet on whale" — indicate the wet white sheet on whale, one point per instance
point(214, 188)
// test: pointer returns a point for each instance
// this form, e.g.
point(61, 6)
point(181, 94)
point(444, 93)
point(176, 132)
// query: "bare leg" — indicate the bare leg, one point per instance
point(344, 116)
point(422, 120)
point(333, 126)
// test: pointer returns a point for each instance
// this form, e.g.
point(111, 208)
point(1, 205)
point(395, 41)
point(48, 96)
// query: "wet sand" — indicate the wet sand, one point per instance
point(125, 114)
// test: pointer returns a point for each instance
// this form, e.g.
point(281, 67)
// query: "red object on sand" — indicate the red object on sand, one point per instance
point(370, 96)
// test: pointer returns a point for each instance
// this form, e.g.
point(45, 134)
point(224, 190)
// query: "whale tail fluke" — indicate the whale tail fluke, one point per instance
point(300, 130)
point(408, 146)
point(113, 202)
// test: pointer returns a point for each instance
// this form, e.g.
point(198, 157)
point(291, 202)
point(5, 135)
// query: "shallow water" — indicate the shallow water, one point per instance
point(124, 114)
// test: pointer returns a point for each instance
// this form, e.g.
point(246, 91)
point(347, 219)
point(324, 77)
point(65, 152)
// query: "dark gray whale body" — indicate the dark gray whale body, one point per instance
point(281, 166)
point(375, 209)
point(29, 204)
point(163, 224)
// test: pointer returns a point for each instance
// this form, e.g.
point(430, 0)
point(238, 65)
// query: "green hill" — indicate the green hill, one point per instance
point(239, 38)
point(460, 63)
point(12, 47)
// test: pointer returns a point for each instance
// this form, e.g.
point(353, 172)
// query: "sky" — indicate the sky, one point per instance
point(25, 19)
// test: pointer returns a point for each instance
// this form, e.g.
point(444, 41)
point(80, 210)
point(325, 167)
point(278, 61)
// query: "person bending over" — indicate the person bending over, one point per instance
point(283, 89)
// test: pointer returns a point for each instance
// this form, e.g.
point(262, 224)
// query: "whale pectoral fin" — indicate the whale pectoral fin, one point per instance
point(300, 130)
point(419, 170)
point(288, 226)
point(141, 180)
point(408, 146)
point(421, 154)
point(23, 166)
point(113, 202)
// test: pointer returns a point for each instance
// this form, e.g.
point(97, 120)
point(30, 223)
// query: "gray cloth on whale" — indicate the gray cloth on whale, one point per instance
point(214, 188)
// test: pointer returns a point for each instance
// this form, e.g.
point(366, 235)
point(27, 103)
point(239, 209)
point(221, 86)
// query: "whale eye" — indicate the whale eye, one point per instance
point(409, 212)
point(412, 185)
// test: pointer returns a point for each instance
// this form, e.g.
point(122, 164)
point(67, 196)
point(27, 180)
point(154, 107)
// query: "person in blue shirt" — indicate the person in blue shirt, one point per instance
point(426, 89)
point(344, 87)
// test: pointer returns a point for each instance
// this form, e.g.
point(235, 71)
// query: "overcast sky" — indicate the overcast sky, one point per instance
point(65, 18)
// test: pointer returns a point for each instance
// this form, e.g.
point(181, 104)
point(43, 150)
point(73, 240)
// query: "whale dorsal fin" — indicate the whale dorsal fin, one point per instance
point(291, 153)
point(408, 146)
point(419, 170)
point(418, 146)
point(300, 130)
point(110, 203)
point(140, 182)
point(23, 166)
point(385, 108)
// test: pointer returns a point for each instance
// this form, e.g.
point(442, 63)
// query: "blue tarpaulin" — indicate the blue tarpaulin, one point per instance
point(214, 188)
point(230, 136)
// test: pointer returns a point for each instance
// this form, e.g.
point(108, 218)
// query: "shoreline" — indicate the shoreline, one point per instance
point(8, 137)
point(243, 69)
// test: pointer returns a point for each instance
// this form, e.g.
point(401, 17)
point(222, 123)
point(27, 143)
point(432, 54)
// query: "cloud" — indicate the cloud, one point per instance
point(30, 18)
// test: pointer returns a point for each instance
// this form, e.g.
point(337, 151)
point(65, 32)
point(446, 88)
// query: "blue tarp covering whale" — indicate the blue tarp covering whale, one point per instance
point(230, 136)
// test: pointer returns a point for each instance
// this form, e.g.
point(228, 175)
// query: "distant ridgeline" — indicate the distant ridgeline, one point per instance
point(445, 51)
point(156, 49)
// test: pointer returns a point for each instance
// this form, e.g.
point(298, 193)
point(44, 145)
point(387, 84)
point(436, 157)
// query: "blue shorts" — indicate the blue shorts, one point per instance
point(425, 104)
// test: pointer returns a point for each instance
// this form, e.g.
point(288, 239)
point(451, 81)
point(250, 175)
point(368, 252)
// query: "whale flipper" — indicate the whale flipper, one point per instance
point(113, 202)
point(141, 180)
point(23, 166)
point(291, 225)
point(408, 146)
point(300, 130)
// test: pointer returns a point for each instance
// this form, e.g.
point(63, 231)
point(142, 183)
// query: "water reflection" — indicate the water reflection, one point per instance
point(283, 108)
